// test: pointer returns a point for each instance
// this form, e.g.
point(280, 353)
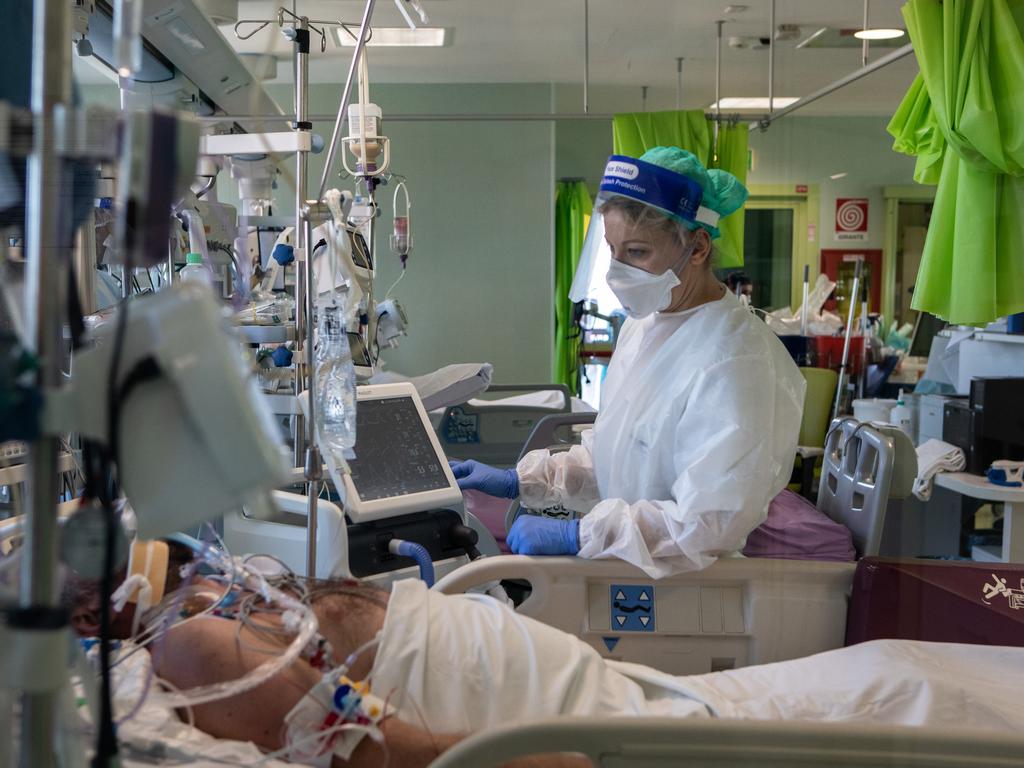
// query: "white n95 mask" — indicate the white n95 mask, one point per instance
point(640, 293)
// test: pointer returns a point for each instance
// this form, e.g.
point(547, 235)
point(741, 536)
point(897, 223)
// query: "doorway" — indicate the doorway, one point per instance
point(911, 227)
point(768, 256)
point(908, 211)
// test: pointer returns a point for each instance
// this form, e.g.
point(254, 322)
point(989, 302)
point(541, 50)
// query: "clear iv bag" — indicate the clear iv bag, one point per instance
point(335, 386)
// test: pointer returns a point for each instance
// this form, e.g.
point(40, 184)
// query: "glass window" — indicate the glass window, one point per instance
point(768, 256)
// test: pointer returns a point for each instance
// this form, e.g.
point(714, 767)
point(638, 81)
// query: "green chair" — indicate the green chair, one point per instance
point(821, 390)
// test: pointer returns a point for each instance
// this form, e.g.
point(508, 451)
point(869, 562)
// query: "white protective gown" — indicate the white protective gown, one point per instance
point(697, 432)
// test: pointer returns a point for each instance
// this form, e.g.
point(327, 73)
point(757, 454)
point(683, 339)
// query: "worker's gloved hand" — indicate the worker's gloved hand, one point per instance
point(534, 535)
point(474, 476)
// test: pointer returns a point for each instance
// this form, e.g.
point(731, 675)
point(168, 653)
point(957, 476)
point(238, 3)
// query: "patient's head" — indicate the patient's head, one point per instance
point(82, 596)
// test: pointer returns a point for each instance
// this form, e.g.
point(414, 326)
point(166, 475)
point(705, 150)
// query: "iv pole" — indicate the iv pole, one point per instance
point(48, 249)
point(313, 464)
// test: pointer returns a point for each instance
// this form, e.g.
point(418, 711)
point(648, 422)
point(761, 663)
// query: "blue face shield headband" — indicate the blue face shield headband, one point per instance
point(672, 193)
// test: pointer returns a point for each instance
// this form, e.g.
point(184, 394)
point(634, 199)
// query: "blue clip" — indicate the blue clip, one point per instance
point(283, 254)
point(346, 700)
point(282, 357)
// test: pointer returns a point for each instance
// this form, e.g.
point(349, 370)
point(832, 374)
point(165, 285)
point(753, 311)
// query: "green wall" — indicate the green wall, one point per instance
point(480, 281)
point(480, 284)
point(809, 150)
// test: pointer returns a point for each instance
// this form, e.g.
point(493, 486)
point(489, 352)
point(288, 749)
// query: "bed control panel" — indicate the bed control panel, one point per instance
point(666, 609)
point(632, 607)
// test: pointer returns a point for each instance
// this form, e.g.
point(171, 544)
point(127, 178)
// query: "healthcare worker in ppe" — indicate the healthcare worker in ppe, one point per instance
point(701, 405)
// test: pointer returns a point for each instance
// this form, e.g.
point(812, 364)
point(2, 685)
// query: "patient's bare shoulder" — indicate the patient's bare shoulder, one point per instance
point(350, 615)
point(210, 650)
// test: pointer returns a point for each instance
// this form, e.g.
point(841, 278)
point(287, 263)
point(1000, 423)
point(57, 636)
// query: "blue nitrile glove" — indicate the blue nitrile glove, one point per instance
point(534, 535)
point(474, 476)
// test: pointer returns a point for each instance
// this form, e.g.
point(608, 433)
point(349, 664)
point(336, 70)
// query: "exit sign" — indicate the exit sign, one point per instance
point(801, 189)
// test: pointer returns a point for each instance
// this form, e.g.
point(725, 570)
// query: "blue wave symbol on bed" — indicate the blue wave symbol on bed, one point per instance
point(631, 608)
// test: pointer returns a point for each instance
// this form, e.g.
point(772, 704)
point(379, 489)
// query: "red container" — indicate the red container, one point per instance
point(830, 353)
point(944, 602)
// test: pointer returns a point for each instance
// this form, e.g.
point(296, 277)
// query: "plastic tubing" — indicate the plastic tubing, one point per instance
point(297, 617)
point(418, 553)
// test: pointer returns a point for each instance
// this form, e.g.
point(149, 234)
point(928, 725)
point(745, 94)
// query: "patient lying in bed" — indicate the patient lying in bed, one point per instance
point(448, 666)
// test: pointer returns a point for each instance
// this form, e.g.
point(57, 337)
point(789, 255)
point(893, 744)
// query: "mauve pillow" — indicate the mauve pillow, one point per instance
point(796, 530)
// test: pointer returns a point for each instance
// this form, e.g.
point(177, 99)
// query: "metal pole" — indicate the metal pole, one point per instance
point(718, 89)
point(170, 264)
point(85, 263)
point(841, 384)
point(842, 82)
point(47, 241)
point(302, 287)
point(807, 289)
point(470, 117)
point(679, 82)
point(345, 96)
point(313, 462)
point(771, 57)
point(586, 56)
point(864, 43)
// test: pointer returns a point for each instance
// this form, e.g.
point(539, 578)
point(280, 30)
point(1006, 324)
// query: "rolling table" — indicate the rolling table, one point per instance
point(977, 487)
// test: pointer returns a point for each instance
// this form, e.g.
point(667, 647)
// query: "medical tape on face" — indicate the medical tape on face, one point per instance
point(658, 187)
point(334, 701)
point(148, 559)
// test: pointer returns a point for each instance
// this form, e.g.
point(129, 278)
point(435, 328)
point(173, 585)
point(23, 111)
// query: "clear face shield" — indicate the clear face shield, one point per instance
point(666, 192)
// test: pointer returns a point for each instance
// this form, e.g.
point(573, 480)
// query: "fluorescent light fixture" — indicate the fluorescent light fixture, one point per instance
point(754, 102)
point(835, 176)
point(878, 34)
point(395, 37)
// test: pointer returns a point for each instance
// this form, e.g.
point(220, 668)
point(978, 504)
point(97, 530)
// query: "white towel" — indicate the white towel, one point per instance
point(935, 456)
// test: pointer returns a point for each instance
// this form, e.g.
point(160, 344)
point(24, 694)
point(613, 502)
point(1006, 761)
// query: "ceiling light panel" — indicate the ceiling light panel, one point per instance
point(754, 102)
point(397, 37)
point(878, 34)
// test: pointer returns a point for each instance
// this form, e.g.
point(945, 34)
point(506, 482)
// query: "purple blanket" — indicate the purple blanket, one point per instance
point(796, 530)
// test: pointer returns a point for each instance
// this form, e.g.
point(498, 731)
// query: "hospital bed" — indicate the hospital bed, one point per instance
point(555, 432)
point(494, 430)
point(664, 742)
point(738, 612)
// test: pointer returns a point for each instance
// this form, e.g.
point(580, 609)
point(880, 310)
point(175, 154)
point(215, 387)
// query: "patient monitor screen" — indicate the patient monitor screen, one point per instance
point(394, 455)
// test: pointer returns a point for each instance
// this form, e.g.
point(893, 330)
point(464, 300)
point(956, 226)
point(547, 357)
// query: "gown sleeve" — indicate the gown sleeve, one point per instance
point(566, 478)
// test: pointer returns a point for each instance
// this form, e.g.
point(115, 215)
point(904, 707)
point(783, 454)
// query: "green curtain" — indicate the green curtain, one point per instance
point(633, 134)
point(963, 118)
point(572, 213)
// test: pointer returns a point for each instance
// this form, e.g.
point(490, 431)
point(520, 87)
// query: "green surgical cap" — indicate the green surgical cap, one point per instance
point(723, 192)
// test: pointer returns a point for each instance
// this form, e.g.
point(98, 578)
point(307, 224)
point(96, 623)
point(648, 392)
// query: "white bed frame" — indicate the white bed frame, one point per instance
point(699, 743)
point(739, 611)
point(736, 613)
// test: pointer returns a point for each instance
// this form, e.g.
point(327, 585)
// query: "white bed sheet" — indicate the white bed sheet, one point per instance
point(511, 668)
point(885, 682)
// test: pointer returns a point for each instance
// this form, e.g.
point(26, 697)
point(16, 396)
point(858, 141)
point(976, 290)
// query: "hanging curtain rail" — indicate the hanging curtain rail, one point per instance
point(842, 82)
point(469, 117)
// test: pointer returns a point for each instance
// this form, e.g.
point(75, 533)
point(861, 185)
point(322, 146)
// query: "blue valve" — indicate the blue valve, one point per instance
point(283, 254)
point(282, 357)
